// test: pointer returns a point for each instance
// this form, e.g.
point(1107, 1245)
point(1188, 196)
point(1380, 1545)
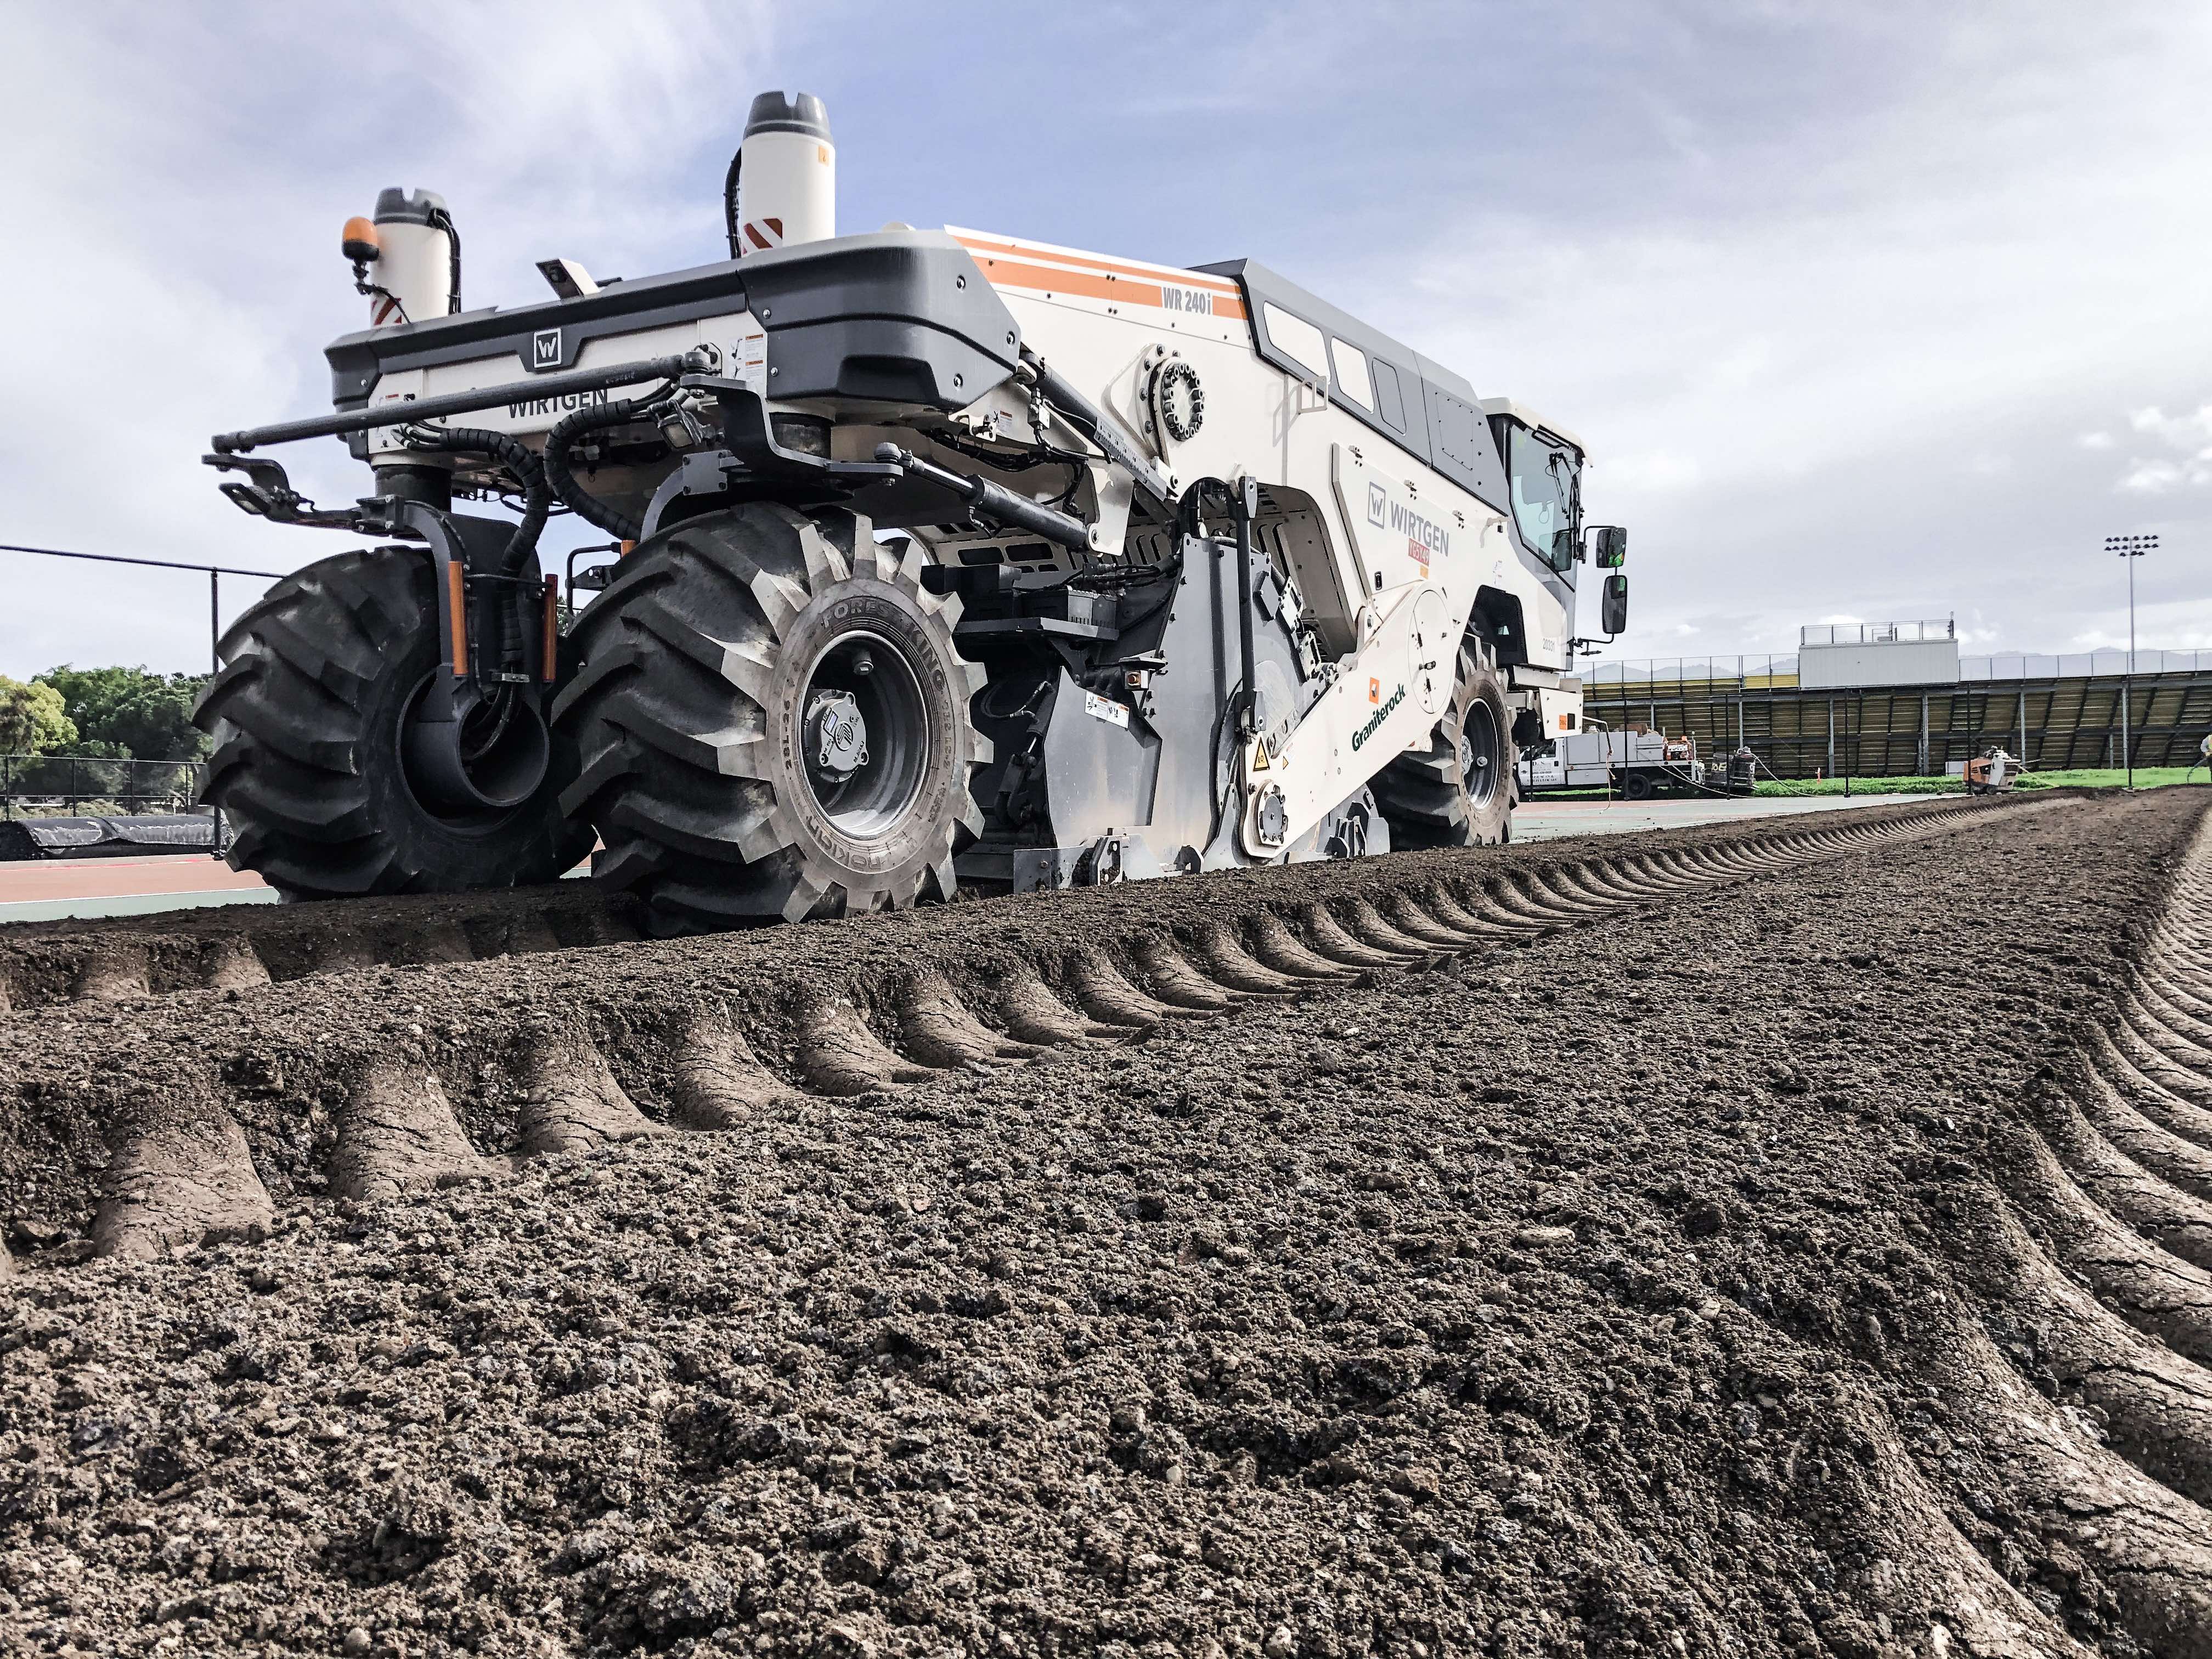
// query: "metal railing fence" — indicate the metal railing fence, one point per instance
point(40, 785)
point(1760, 673)
point(1885, 633)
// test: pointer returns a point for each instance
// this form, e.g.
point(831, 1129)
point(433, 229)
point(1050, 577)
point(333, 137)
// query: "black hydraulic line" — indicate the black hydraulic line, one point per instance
point(730, 202)
point(592, 418)
point(511, 454)
point(536, 501)
point(1244, 506)
point(464, 402)
point(1093, 424)
point(991, 501)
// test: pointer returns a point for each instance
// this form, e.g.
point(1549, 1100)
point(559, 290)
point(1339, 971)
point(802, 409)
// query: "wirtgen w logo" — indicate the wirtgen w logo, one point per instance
point(545, 348)
point(1378, 501)
point(1376, 719)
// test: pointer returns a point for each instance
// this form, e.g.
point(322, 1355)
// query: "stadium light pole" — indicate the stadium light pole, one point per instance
point(2130, 548)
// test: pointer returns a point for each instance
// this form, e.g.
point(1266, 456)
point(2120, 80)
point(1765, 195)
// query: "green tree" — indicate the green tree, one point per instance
point(129, 712)
point(33, 719)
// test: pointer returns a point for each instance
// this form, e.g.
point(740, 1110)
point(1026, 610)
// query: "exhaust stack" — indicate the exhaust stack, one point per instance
point(418, 259)
point(782, 185)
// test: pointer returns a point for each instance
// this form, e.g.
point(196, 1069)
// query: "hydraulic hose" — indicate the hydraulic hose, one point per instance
point(1244, 504)
point(586, 506)
point(730, 202)
point(510, 453)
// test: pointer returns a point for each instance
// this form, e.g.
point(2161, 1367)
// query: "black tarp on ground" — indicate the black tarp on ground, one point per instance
point(80, 838)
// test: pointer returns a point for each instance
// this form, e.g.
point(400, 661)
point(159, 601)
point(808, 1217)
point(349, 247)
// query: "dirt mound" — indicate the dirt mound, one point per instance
point(1686, 1247)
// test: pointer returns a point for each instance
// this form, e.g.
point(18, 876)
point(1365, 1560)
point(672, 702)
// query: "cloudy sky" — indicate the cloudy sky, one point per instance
point(1866, 310)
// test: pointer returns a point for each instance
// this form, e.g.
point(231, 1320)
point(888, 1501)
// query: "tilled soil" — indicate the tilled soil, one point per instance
point(1785, 1243)
point(238, 947)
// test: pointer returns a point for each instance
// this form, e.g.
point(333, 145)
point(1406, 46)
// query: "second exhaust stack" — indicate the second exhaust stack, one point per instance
point(782, 185)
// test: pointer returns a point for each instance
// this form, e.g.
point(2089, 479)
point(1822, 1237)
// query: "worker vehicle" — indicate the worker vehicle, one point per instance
point(1991, 772)
point(1735, 773)
point(1635, 762)
point(948, 563)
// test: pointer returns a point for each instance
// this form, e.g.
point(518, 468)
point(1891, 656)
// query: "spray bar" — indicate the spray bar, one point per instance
point(464, 402)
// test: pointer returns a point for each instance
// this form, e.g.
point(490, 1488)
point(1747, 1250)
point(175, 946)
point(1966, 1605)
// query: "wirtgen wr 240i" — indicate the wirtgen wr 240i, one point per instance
point(1190, 570)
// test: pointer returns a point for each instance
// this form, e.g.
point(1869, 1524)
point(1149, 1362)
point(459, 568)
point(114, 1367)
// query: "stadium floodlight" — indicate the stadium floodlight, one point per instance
point(2130, 548)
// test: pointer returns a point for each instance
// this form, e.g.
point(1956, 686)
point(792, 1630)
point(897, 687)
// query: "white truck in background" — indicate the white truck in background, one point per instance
point(1637, 762)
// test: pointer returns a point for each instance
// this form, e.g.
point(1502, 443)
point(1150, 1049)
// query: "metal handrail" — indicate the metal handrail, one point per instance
point(1749, 673)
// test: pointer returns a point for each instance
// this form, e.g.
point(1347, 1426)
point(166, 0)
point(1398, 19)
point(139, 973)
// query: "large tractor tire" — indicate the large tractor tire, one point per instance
point(1458, 791)
point(772, 723)
point(309, 718)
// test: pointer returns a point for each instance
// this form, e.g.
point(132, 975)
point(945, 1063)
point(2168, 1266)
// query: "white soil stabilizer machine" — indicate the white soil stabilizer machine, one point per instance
point(948, 562)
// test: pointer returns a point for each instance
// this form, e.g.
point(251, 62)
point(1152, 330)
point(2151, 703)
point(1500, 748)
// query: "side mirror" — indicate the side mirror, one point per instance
point(1614, 609)
point(1611, 550)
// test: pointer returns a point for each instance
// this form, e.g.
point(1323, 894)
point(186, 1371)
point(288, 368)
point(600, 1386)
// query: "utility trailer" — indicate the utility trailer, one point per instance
point(949, 561)
point(1637, 762)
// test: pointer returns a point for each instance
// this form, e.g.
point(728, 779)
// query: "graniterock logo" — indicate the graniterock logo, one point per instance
point(1376, 719)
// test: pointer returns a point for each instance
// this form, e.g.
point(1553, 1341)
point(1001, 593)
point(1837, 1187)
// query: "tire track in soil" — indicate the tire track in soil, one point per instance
point(293, 1075)
point(1517, 1285)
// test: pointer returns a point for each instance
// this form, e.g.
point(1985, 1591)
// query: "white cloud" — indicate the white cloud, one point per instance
point(1852, 300)
point(2192, 433)
point(1796, 273)
point(1653, 471)
point(2156, 477)
point(186, 198)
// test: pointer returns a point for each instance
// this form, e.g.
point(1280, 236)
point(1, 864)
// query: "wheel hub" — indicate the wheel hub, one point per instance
point(836, 736)
point(864, 733)
point(1480, 745)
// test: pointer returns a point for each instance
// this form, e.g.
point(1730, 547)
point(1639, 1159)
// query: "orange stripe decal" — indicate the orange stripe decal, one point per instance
point(458, 595)
point(1006, 273)
point(549, 655)
point(1096, 262)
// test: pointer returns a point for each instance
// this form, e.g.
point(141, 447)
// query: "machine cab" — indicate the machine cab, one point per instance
point(1544, 472)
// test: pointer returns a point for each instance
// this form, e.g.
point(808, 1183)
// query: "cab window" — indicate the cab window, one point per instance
point(1545, 480)
point(1295, 338)
point(1352, 373)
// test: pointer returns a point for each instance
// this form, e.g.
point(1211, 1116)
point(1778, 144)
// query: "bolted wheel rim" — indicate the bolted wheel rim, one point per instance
point(1481, 753)
point(864, 735)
